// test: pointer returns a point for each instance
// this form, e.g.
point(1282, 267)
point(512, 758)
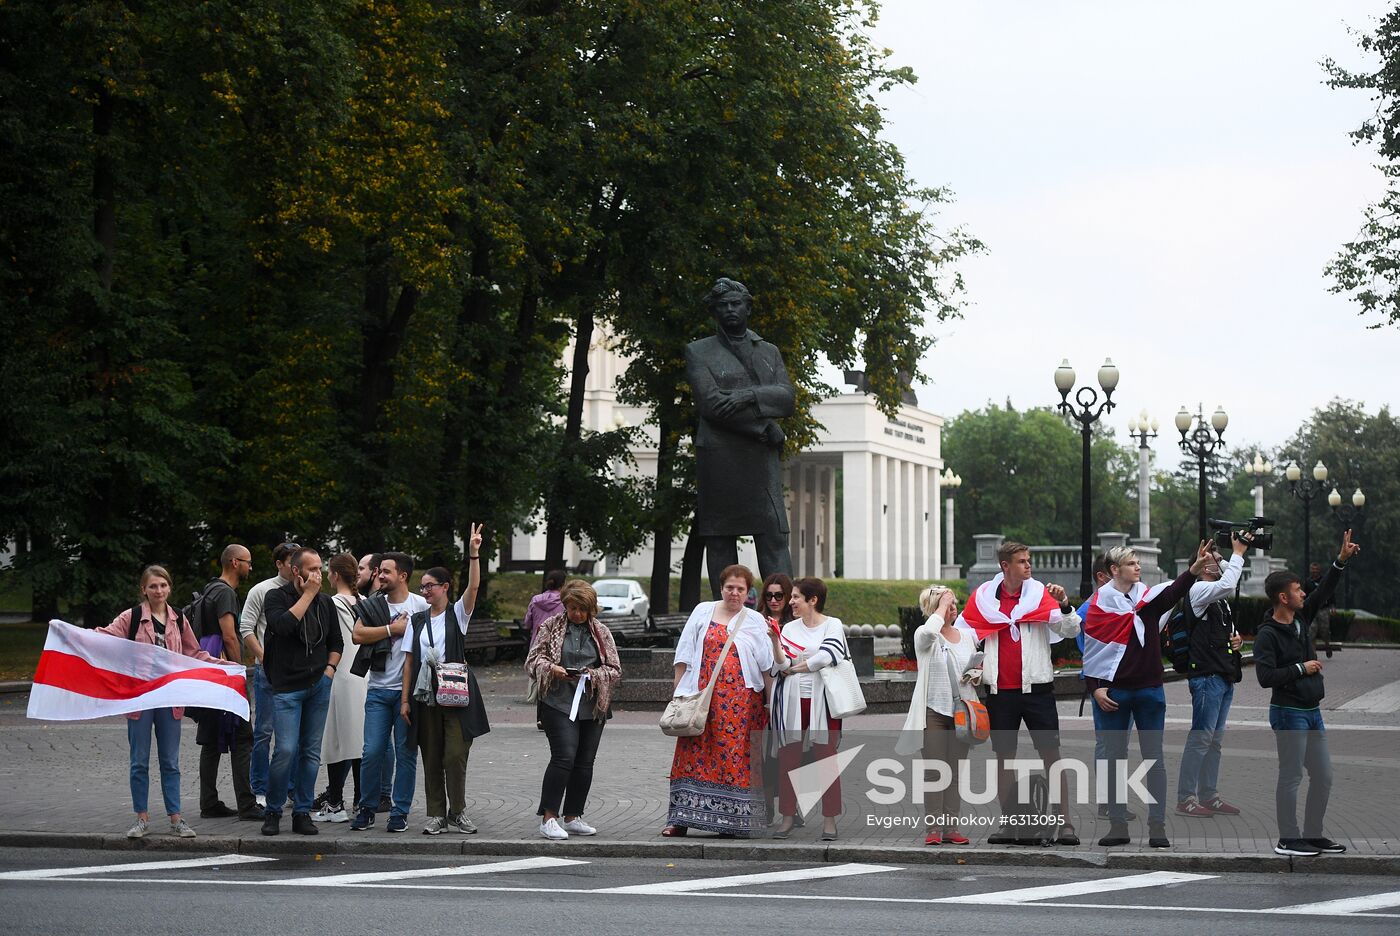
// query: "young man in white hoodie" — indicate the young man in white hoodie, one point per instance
point(1017, 619)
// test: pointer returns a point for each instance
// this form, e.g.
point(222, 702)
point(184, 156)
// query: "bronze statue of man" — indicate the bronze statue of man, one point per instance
point(741, 389)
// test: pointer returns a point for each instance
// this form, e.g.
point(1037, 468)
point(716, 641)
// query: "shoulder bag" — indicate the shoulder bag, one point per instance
point(685, 716)
point(844, 697)
point(971, 724)
point(453, 688)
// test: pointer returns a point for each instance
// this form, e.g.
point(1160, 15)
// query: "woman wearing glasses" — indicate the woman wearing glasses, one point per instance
point(443, 734)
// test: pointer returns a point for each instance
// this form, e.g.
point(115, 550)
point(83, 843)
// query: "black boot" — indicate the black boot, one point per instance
point(1117, 834)
point(302, 824)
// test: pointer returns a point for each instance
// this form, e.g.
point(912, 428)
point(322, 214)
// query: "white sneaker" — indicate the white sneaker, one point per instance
point(435, 825)
point(331, 812)
point(551, 829)
point(138, 830)
point(181, 829)
point(577, 826)
point(460, 823)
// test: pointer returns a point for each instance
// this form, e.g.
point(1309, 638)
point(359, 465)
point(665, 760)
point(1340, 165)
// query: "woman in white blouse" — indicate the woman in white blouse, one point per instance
point(712, 774)
point(928, 729)
point(800, 720)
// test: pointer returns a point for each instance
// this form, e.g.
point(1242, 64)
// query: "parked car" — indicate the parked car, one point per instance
point(621, 596)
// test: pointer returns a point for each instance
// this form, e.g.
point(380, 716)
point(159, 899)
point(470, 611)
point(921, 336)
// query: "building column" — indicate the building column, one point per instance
point(858, 517)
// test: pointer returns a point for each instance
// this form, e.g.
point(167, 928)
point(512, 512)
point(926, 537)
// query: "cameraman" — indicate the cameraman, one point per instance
point(1212, 679)
point(1285, 661)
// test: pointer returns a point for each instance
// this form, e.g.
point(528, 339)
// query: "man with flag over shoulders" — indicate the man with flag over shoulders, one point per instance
point(1017, 619)
point(1123, 670)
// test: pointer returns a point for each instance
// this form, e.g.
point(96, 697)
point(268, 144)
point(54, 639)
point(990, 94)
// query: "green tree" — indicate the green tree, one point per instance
point(1021, 477)
point(1368, 268)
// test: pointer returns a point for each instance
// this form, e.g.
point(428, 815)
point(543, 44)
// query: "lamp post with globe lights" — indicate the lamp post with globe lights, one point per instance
point(1201, 445)
point(1305, 490)
point(1086, 410)
point(1259, 469)
point(1142, 431)
point(951, 482)
point(1348, 518)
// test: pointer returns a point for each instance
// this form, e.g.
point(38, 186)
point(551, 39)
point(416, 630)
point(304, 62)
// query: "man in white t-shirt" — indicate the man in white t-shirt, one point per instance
point(382, 717)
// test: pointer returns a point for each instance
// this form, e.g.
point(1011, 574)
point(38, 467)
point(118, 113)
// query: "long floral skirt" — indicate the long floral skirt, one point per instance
point(716, 777)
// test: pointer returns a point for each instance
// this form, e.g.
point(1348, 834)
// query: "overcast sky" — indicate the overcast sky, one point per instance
point(1158, 183)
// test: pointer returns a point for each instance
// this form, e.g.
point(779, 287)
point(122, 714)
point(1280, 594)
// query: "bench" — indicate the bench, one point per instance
point(489, 641)
point(627, 629)
point(668, 626)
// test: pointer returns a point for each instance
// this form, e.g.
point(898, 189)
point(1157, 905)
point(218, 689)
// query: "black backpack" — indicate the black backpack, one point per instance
point(180, 619)
point(194, 612)
point(1178, 636)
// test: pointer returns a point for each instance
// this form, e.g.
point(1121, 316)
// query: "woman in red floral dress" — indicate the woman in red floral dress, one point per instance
point(716, 777)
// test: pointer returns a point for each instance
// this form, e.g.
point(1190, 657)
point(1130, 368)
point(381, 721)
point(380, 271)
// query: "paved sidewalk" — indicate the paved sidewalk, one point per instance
point(63, 779)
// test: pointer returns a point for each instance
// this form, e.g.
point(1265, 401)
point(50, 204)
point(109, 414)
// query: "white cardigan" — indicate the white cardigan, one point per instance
point(927, 641)
point(785, 703)
point(1036, 664)
point(752, 643)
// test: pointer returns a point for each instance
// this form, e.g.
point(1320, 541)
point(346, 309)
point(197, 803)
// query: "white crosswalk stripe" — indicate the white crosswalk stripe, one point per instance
point(41, 874)
point(1346, 905)
point(1078, 888)
point(696, 885)
point(371, 878)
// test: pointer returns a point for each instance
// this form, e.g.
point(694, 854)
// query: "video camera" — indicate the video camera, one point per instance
point(1252, 531)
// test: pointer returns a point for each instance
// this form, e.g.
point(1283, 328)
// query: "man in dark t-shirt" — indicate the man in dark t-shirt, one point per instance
point(223, 731)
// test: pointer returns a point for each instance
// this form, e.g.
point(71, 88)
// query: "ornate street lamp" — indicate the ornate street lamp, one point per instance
point(1349, 517)
point(1259, 469)
point(1089, 410)
point(1201, 445)
point(951, 482)
point(1305, 490)
point(1142, 431)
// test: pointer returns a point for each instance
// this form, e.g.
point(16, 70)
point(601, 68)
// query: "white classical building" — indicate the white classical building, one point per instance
point(870, 482)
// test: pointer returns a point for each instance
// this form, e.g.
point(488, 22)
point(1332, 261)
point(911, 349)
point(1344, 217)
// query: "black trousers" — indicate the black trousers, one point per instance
point(241, 757)
point(723, 551)
point(573, 745)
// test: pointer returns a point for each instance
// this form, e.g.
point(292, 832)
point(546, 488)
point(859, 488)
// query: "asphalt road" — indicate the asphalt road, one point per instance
point(73, 892)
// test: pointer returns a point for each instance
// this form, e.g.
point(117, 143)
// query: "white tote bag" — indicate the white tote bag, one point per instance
point(843, 695)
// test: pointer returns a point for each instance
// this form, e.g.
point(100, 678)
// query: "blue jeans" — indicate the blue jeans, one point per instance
point(262, 730)
point(1146, 708)
point(300, 717)
point(167, 731)
point(1301, 740)
point(384, 723)
point(1200, 761)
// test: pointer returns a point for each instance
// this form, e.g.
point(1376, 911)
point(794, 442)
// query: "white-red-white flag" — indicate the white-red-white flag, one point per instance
point(86, 674)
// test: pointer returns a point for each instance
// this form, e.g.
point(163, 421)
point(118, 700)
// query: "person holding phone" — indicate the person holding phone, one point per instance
point(575, 670)
point(928, 728)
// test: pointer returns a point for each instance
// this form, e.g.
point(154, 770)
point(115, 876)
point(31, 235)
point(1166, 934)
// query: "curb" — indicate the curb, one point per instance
point(718, 851)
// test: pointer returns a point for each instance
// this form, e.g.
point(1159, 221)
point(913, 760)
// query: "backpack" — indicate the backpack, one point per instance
point(180, 619)
point(194, 612)
point(1177, 636)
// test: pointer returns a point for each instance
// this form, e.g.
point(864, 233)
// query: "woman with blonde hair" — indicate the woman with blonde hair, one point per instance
point(928, 728)
point(575, 670)
point(154, 621)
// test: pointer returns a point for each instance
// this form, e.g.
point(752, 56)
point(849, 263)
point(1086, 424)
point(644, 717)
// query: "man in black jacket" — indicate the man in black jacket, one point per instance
point(1285, 661)
point(301, 651)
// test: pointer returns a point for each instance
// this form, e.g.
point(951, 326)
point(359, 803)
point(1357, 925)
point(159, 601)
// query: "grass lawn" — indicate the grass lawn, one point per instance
point(15, 593)
point(20, 645)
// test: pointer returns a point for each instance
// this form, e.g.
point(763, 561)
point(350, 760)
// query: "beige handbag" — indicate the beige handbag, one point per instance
point(685, 716)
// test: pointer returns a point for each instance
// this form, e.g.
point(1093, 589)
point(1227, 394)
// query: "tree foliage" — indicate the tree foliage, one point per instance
point(1368, 268)
point(309, 267)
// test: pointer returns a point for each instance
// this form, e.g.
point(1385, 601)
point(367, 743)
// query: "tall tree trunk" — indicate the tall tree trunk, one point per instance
point(384, 333)
point(101, 507)
point(665, 507)
point(573, 430)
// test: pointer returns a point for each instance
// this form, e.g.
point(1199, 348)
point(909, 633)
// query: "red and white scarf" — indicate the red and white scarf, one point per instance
point(983, 614)
point(1107, 623)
